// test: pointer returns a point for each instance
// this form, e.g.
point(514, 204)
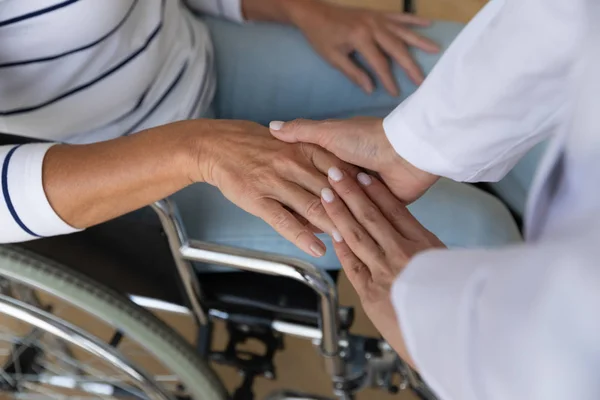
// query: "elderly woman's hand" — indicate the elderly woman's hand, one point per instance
point(375, 238)
point(336, 32)
point(273, 180)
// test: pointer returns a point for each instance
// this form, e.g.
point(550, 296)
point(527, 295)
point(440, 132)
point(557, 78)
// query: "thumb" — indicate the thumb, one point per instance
point(299, 130)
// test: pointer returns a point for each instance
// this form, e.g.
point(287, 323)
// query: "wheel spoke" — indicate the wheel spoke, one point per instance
point(47, 351)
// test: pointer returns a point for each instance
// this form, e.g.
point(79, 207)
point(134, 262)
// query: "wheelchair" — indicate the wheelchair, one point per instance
point(48, 352)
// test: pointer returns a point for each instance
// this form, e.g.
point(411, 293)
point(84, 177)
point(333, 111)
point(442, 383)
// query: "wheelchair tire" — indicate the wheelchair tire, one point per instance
point(136, 323)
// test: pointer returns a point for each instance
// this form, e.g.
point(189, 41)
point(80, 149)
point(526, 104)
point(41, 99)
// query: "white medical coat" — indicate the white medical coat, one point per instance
point(521, 322)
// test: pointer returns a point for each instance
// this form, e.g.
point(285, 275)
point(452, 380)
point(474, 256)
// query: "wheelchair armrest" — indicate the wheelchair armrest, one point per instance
point(259, 262)
point(270, 264)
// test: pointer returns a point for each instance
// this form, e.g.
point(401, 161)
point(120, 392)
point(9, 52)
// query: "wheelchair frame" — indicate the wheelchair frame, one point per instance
point(353, 362)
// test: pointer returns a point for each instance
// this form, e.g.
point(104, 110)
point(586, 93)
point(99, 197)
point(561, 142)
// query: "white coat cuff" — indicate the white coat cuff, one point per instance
point(430, 297)
point(416, 150)
point(232, 10)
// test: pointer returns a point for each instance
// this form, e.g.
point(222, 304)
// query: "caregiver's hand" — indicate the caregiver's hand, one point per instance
point(362, 142)
point(375, 238)
point(270, 179)
point(336, 32)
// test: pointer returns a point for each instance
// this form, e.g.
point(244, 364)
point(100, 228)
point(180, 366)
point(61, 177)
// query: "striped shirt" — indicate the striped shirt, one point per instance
point(83, 71)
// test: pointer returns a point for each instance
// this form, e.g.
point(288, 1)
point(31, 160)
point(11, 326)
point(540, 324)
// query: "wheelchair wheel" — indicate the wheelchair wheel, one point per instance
point(64, 336)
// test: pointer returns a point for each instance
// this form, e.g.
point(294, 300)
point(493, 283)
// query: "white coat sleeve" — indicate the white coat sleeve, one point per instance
point(25, 212)
point(229, 9)
point(499, 89)
point(520, 323)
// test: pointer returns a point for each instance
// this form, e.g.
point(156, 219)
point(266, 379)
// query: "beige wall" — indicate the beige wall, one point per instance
point(454, 10)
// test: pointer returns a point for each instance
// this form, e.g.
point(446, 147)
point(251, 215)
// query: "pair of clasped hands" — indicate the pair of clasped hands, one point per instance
point(318, 182)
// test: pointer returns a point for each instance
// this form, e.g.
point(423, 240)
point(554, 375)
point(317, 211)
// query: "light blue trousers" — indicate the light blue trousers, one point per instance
point(269, 72)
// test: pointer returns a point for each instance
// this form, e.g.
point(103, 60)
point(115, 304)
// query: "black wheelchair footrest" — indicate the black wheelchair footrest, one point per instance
point(251, 363)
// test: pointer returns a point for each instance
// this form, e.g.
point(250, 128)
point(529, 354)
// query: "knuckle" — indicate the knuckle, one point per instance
point(380, 257)
point(397, 213)
point(410, 35)
point(383, 275)
point(298, 235)
point(267, 183)
point(346, 190)
point(373, 23)
point(336, 210)
point(401, 30)
point(296, 124)
point(331, 127)
point(380, 254)
point(248, 189)
point(369, 213)
point(356, 266)
point(356, 235)
point(346, 255)
point(280, 220)
point(280, 161)
point(314, 208)
point(330, 123)
point(368, 19)
point(361, 31)
point(357, 76)
point(308, 151)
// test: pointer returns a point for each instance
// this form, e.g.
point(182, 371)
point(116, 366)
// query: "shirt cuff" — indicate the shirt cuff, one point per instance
point(232, 10)
point(26, 192)
point(417, 151)
point(431, 299)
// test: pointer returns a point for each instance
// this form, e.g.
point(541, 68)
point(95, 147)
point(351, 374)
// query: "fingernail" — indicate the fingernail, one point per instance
point(337, 236)
point(327, 195)
point(317, 250)
point(276, 125)
point(335, 174)
point(364, 179)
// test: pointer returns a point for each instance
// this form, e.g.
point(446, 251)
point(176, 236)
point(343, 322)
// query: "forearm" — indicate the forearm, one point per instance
point(391, 331)
point(283, 11)
point(90, 184)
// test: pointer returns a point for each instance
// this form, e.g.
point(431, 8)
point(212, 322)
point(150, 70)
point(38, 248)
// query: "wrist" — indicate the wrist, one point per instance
point(410, 181)
point(299, 11)
point(399, 163)
point(282, 11)
point(193, 151)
